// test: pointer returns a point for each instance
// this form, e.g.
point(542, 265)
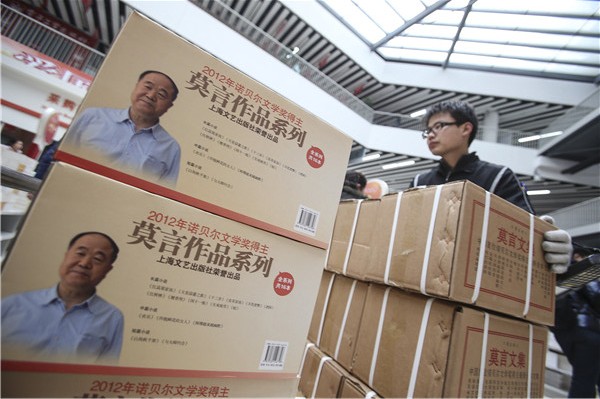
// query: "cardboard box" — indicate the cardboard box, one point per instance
point(410, 345)
point(46, 380)
point(201, 295)
point(320, 376)
point(440, 258)
point(351, 243)
point(246, 152)
point(352, 387)
point(339, 317)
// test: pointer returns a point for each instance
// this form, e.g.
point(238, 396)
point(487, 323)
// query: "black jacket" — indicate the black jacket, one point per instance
point(497, 179)
point(580, 307)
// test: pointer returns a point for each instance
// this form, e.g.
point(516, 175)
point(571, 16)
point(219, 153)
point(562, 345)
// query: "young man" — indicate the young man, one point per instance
point(450, 128)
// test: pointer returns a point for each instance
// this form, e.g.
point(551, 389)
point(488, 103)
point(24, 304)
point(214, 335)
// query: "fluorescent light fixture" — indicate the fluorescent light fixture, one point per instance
point(538, 192)
point(419, 113)
point(371, 157)
point(539, 136)
point(397, 165)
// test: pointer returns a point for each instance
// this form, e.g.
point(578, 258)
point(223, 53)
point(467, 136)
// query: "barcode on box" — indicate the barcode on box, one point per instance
point(307, 220)
point(273, 356)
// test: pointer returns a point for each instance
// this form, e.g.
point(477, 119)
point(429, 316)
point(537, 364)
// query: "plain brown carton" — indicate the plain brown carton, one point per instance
point(410, 345)
point(344, 229)
point(318, 314)
point(360, 252)
point(341, 319)
point(320, 376)
point(441, 258)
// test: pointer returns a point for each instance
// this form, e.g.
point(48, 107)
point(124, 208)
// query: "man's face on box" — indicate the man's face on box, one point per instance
point(152, 95)
point(86, 262)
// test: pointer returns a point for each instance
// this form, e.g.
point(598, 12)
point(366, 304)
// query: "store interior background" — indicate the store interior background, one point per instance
point(300, 49)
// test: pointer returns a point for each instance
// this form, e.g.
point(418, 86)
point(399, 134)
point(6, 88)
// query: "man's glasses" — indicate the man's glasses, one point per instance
point(437, 128)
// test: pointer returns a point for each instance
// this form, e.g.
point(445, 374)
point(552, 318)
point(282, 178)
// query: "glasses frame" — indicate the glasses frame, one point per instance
point(437, 127)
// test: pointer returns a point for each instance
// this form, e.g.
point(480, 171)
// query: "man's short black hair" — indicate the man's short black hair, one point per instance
point(355, 180)
point(113, 244)
point(175, 89)
point(461, 111)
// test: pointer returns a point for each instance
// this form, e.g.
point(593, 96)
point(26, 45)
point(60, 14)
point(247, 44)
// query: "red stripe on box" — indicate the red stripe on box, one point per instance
point(70, 368)
point(183, 198)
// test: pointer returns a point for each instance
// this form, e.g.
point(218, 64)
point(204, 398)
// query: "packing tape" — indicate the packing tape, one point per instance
point(418, 353)
point(308, 346)
point(529, 264)
point(329, 287)
point(436, 203)
point(486, 327)
point(482, 247)
point(343, 326)
point(378, 336)
point(530, 361)
point(351, 239)
point(318, 376)
point(388, 262)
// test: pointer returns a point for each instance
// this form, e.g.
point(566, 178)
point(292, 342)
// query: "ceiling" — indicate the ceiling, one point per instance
point(103, 20)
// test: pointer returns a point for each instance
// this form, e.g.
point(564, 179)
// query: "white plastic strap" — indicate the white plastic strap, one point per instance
point(482, 247)
point(530, 361)
point(529, 265)
point(308, 346)
point(378, 336)
point(343, 326)
point(370, 395)
point(486, 327)
point(497, 179)
point(420, 342)
point(388, 261)
point(331, 279)
point(436, 202)
point(351, 238)
point(318, 376)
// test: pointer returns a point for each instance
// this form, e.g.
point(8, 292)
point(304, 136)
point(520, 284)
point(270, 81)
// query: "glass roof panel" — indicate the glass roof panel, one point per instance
point(524, 36)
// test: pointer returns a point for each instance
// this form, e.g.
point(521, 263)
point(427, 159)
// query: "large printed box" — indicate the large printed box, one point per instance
point(428, 240)
point(410, 345)
point(200, 296)
point(227, 144)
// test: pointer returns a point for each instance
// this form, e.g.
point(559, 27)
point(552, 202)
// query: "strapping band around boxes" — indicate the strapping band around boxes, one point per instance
point(436, 203)
point(486, 327)
point(378, 337)
point(529, 265)
point(351, 239)
point(329, 287)
point(482, 247)
point(388, 262)
point(420, 343)
point(530, 361)
point(318, 376)
point(308, 346)
point(346, 311)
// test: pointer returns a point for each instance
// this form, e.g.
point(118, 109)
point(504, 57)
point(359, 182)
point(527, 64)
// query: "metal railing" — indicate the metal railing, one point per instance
point(26, 30)
point(246, 28)
point(581, 214)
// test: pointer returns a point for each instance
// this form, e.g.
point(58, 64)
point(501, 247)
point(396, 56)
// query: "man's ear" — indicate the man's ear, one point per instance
point(467, 128)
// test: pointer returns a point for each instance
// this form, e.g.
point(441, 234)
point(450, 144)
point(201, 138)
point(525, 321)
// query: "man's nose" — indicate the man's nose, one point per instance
point(86, 262)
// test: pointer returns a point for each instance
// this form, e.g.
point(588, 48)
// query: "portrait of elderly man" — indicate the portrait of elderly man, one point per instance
point(68, 321)
point(133, 138)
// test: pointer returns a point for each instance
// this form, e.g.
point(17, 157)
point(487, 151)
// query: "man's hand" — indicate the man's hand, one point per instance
point(557, 247)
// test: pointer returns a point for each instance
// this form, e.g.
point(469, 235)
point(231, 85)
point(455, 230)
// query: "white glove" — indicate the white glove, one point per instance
point(557, 248)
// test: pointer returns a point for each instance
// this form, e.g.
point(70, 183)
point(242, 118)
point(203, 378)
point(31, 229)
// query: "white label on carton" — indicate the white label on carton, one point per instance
point(273, 356)
point(307, 220)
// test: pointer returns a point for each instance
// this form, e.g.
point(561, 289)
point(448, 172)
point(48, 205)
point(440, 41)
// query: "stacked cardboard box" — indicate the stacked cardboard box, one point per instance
point(218, 273)
point(406, 307)
point(403, 344)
